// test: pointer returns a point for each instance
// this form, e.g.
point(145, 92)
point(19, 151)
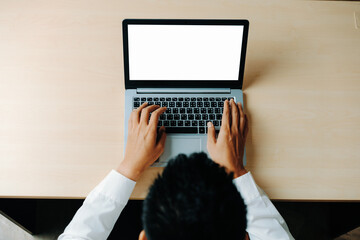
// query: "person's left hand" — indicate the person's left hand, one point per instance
point(144, 145)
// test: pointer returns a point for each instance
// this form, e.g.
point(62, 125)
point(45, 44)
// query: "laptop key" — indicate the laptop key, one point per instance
point(175, 110)
point(149, 99)
point(218, 116)
point(181, 99)
point(196, 110)
point(191, 116)
point(156, 99)
point(202, 130)
point(179, 104)
point(218, 99)
point(193, 99)
point(162, 99)
point(180, 123)
point(143, 99)
point(136, 99)
point(187, 123)
point(199, 99)
point(194, 123)
point(136, 104)
point(174, 99)
point(176, 116)
point(182, 110)
point(187, 99)
point(186, 104)
point(166, 123)
point(173, 123)
point(158, 103)
point(160, 123)
point(181, 130)
point(172, 104)
point(183, 117)
point(168, 99)
point(164, 104)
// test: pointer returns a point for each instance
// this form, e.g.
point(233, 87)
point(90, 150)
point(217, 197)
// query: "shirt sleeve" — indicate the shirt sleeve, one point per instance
point(97, 216)
point(263, 220)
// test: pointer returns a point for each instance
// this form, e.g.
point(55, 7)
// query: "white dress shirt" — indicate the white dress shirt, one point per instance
point(96, 217)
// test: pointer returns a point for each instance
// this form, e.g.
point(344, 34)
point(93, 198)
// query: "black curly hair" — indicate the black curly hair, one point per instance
point(194, 198)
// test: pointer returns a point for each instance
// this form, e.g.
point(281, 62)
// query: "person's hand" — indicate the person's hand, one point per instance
point(228, 149)
point(144, 145)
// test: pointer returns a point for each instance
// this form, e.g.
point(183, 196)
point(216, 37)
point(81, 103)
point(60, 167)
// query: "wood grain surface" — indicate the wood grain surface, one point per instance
point(62, 94)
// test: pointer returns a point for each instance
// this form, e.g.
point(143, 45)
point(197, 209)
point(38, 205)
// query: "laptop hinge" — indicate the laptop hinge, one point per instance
point(183, 90)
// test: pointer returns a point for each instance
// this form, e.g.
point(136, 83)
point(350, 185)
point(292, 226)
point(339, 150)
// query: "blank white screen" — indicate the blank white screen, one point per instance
point(184, 52)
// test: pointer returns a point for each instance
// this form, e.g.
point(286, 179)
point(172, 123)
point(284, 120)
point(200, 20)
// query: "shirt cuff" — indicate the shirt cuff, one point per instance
point(116, 187)
point(247, 187)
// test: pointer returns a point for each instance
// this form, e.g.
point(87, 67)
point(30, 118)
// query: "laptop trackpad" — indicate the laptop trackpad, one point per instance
point(175, 146)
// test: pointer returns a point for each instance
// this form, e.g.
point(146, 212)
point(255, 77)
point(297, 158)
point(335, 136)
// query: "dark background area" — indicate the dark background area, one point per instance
point(306, 220)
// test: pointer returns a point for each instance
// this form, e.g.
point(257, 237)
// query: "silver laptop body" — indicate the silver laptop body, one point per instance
point(189, 66)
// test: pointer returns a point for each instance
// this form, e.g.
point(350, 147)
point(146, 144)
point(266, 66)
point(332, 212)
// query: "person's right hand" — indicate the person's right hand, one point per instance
point(228, 149)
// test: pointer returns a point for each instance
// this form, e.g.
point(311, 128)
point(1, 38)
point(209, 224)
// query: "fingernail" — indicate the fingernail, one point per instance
point(209, 124)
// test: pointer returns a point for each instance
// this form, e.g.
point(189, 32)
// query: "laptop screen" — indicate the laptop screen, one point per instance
point(184, 52)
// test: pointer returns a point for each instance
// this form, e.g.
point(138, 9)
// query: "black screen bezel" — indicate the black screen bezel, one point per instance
point(237, 84)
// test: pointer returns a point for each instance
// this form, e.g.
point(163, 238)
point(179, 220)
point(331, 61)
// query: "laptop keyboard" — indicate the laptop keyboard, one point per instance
point(187, 114)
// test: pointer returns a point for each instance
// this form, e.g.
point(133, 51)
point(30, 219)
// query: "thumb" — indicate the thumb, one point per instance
point(211, 133)
point(246, 131)
point(161, 142)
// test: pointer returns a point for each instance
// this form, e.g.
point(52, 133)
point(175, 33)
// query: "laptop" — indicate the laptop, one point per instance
point(189, 66)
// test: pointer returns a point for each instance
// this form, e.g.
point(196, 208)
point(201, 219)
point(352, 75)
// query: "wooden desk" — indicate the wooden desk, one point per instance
point(61, 94)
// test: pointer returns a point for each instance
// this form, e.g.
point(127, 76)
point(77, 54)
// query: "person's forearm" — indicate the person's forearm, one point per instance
point(96, 217)
point(263, 220)
point(240, 172)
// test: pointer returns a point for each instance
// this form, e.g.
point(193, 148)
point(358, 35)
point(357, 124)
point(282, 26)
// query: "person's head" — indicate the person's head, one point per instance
point(194, 198)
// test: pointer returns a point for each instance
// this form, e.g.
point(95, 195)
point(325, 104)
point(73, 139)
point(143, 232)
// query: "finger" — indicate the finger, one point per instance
point(234, 117)
point(161, 143)
point(211, 139)
point(242, 118)
point(154, 119)
point(145, 114)
point(225, 117)
point(135, 115)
